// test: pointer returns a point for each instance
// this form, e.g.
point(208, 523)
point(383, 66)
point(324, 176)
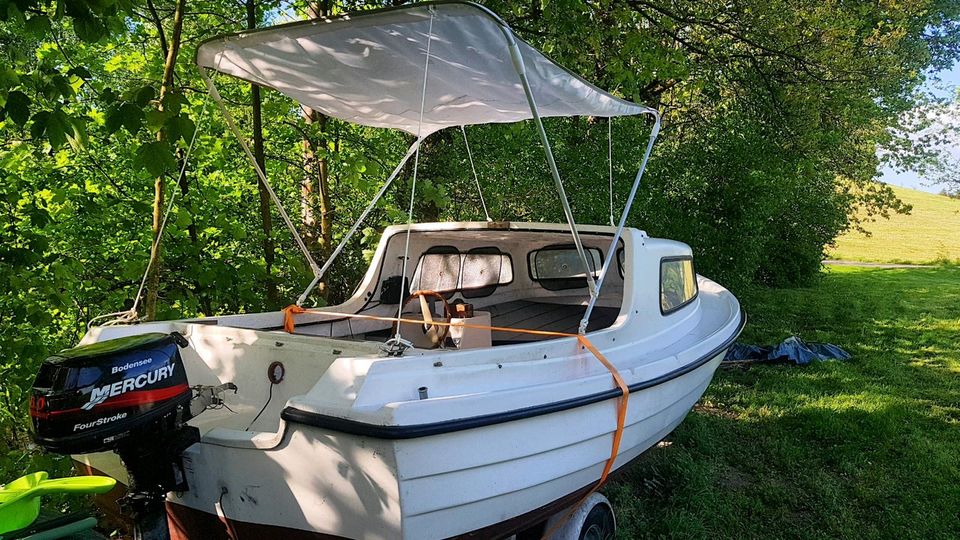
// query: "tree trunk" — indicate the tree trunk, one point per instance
point(266, 222)
point(316, 181)
point(308, 222)
point(326, 205)
point(315, 188)
point(169, 67)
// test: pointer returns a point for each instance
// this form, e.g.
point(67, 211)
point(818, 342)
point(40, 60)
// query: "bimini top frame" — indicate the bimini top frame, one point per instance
point(364, 68)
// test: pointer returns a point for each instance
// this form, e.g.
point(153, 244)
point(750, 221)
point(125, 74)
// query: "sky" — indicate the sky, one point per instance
point(947, 85)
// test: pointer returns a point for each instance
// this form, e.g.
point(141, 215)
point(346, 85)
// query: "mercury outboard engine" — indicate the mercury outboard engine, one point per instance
point(129, 395)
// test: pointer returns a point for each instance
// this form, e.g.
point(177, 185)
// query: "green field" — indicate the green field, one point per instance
point(868, 448)
point(929, 234)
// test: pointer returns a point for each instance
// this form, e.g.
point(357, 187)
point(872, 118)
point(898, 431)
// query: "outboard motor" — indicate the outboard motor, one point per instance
point(129, 395)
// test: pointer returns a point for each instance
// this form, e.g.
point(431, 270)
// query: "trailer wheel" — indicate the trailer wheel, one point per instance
point(599, 524)
point(592, 520)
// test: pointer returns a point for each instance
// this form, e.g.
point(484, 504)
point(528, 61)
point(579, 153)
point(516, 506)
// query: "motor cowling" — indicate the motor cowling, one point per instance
point(98, 397)
point(129, 395)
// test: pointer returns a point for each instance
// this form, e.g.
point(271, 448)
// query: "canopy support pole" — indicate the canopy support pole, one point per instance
point(343, 243)
point(215, 94)
point(611, 253)
point(535, 113)
point(610, 165)
point(476, 179)
point(397, 344)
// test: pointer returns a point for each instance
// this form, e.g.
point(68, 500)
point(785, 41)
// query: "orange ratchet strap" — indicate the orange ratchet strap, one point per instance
point(289, 325)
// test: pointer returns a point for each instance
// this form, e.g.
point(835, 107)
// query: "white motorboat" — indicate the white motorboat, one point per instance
point(530, 360)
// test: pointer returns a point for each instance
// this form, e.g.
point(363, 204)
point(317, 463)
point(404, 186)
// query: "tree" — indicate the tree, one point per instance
point(256, 105)
point(773, 113)
point(924, 140)
point(315, 187)
point(172, 49)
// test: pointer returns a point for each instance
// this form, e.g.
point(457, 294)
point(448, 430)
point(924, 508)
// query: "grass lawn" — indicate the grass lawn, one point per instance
point(931, 232)
point(868, 448)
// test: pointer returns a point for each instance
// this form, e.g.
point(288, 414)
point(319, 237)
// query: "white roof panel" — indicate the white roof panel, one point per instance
point(367, 68)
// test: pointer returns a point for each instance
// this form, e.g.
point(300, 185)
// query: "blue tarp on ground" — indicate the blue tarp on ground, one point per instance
point(792, 349)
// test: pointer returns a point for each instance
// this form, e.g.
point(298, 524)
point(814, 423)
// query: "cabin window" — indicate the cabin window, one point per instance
point(678, 283)
point(475, 273)
point(560, 267)
point(438, 270)
point(483, 270)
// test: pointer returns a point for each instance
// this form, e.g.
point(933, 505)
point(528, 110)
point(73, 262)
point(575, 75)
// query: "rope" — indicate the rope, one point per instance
point(416, 165)
point(613, 221)
point(289, 325)
point(476, 178)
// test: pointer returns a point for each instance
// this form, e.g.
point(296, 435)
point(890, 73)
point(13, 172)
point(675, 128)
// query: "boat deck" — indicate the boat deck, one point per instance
point(529, 315)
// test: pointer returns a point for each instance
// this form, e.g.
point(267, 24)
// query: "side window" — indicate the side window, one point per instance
point(560, 267)
point(483, 270)
point(678, 283)
point(438, 270)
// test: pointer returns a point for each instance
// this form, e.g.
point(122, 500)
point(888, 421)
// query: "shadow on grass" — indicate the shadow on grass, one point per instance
point(865, 448)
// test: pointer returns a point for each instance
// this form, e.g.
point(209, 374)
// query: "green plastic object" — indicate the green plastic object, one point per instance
point(20, 499)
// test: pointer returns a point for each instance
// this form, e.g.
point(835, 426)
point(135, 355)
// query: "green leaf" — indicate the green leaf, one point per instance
point(8, 77)
point(62, 86)
point(144, 95)
point(156, 157)
point(108, 95)
point(80, 71)
point(132, 118)
point(180, 127)
point(156, 119)
point(140, 207)
point(18, 107)
point(38, 25)
point(132, 269)
point(39, 125)
point(58, 128)
point(78, 134)
point(183, 219)
point(89, 28)
point(114, 120)
point(38, 216)
point(173, 102)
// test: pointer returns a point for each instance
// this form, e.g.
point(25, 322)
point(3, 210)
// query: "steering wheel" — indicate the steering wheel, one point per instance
point(436, 333)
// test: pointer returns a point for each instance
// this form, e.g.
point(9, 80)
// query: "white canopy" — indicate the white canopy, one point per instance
point(368, 69)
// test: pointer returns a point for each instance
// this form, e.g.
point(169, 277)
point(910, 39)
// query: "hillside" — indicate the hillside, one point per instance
point(931, 232)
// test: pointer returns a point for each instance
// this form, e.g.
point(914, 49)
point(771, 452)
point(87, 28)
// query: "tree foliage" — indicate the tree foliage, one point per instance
point(773, 113)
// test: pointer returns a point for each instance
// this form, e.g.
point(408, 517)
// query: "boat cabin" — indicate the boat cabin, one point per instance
point(500, 276)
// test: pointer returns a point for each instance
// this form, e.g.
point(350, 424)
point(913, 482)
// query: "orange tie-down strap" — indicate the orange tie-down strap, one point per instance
point(289, 324)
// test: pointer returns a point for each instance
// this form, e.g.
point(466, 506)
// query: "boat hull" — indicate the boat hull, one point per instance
point(472, 482)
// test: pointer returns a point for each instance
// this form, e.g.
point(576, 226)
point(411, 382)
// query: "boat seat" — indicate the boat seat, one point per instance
point(531, 315)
